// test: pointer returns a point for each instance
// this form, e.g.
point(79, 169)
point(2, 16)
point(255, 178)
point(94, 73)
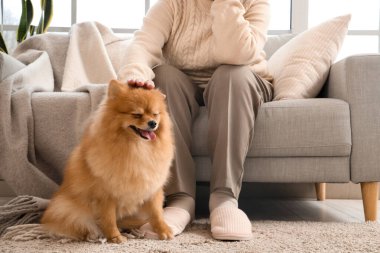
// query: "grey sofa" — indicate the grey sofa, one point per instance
point(334, 138)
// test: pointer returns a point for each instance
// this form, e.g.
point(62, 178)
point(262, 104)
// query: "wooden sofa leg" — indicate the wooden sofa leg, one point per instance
point(320, 189)
point(370, 195)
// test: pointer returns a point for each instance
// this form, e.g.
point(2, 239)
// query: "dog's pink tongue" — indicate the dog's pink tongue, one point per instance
point(149, 135)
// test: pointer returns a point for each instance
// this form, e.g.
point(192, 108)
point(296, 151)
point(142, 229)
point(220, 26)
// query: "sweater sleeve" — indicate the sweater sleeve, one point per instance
point(239, 33)
point(145, 50)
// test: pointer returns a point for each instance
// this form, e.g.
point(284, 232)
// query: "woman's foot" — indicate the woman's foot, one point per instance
point(178, 213)
point(228, 222)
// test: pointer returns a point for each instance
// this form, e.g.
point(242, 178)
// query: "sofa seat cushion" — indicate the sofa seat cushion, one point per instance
point(317, 127)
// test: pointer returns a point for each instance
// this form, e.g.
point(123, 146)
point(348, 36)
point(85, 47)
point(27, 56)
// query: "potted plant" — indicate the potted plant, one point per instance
point(25, 28)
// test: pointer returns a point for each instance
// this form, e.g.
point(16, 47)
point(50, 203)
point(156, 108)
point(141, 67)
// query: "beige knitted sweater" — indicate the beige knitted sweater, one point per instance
point(196, 36)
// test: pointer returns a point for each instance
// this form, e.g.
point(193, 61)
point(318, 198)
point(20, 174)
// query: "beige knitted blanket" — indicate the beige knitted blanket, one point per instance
point(90, 54)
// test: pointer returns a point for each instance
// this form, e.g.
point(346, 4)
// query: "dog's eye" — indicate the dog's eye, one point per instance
point(137, 115)
point(156, 114)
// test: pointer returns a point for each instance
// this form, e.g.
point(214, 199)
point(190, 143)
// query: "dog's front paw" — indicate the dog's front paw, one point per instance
point(164, 232)
point(118, 239)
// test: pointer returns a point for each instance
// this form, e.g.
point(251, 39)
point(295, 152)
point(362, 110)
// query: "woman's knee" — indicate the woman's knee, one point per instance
point(164, 69)
point(234, 76)
point(173, 81)
point(167, 75)
point(233, 71)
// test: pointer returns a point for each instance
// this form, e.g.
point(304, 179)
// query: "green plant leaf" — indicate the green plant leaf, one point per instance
point(41, 23)
point(3, 46)
point(25, 20)
point(32, 30)
point(46, 16)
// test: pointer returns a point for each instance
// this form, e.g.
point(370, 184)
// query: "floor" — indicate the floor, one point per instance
point(309, 210)
point(289, 209)
point(330, 210)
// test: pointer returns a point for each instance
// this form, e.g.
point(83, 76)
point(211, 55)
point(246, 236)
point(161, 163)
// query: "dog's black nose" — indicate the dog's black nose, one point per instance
point(152, 124)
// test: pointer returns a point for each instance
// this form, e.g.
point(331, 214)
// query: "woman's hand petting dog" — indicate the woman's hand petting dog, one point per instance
point(149, 84)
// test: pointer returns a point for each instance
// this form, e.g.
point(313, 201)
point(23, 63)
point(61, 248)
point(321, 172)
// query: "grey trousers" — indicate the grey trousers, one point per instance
point(232, 97)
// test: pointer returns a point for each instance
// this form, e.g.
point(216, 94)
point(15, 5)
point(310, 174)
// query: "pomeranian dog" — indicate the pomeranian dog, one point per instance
point(114, 178)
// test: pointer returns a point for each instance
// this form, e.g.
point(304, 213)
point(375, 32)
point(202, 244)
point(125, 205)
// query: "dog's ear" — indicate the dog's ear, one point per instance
point(114, 88)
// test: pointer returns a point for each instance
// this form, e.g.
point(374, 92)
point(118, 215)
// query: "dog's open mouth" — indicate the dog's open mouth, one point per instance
point(145, 134)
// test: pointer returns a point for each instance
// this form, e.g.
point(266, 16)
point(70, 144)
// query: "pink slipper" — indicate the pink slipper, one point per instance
point(230, 223)
point(176, 218)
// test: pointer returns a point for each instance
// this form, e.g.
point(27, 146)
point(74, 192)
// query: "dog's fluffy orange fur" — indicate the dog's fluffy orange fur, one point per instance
point(114, 178)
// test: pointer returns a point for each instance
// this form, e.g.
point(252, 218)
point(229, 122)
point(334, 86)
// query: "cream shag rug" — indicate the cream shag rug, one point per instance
point(268, 236)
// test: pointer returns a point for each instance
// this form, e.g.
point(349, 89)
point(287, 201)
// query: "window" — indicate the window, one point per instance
point(287, 16)
point(127, 14)
point(280, 16)
point(363, 34)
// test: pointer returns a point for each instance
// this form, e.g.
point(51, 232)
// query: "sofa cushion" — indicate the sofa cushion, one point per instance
point(292, 128)
point(315, 131)
point(301, 66)
point(286, 169)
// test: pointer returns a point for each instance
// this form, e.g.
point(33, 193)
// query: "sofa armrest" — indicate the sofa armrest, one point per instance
point(356, 80)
